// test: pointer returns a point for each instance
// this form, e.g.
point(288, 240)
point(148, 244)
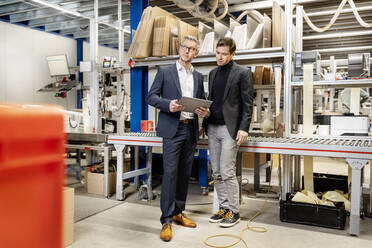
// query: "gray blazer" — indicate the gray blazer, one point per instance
point(166, 87)
point(237, 100)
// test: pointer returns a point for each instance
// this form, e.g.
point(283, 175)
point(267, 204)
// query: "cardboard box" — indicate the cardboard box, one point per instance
point(141, 46)
point(248, 159)
point(185, 29)
point(95, 183)
point(68, 216)
point(277, 28)
point(174, 45)
point(258, 75)
point(267, 75)
point(162, 29)
point(267, 32)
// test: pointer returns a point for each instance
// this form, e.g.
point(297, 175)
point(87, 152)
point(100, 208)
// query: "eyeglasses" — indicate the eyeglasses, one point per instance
point(190, 49)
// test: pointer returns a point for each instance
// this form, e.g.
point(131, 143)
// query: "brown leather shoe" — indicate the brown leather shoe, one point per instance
point(166, 232)
point(181, 219)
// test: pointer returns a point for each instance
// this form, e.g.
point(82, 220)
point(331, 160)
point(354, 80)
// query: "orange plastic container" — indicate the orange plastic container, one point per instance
point(146, 126)
point(31, 176)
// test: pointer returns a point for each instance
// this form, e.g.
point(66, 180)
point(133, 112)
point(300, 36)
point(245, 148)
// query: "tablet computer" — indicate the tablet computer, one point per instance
point(191, 104)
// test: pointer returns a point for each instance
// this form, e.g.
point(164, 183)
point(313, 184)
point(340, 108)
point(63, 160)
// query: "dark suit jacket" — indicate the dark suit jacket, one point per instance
point(166, 87)
point(237, 100)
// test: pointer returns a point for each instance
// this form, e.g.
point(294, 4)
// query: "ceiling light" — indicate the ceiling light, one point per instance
point(57, 7)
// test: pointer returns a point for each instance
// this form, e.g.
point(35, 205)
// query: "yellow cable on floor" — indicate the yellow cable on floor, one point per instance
point(248, 227)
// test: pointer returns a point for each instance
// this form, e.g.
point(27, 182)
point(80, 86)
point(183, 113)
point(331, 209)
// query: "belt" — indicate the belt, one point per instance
point(186, 121)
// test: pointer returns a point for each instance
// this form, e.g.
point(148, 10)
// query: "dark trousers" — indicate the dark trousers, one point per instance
point(178, 155)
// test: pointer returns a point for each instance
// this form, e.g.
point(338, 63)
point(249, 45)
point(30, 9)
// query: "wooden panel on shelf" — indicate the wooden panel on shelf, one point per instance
point(162, 29)
point(185, 29)
point(277, 21)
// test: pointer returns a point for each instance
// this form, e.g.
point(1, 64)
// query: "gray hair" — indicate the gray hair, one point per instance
point(192, 38)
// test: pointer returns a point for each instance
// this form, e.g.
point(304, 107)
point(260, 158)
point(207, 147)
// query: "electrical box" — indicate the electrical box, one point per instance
point(305, 58)
point(358, 65)
point(349, 125)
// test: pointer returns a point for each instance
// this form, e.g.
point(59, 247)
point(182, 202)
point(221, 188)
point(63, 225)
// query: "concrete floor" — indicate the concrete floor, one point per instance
point(133, 223)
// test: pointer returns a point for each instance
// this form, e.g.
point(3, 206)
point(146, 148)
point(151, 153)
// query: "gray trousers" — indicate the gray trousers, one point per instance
point(223, 150)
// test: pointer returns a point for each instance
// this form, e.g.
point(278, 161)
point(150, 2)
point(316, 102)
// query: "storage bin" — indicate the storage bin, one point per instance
point(328, 182)
point(31, 176)
point(313, 214)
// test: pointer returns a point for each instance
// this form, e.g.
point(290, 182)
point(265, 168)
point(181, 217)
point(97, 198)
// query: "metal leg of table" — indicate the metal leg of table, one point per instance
point(106, 159)
point(287, 176)
point(370, 187)
point(119, 172)
point(269, 167)
point(136, 166)
point(280, 176)
point(149, 174)
point(356, 193)
point(78, 161)
point(256, 172)
point(215, 201)
point(297, 173)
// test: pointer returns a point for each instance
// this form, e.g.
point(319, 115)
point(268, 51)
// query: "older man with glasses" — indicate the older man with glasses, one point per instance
point(179, 131)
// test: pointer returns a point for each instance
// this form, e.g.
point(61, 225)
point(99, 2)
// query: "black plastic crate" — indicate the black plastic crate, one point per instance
point(327, 182)
point(312, 214)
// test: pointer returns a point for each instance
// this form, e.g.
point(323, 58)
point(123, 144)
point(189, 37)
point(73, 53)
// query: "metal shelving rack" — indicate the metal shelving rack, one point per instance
point(288, 109)
point(267, 54)
point(352, 83)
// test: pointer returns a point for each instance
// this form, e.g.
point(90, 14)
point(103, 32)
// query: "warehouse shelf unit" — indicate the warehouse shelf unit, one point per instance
point(353, 83)
point(291, 99)
point(267, 54)
point(285, 55)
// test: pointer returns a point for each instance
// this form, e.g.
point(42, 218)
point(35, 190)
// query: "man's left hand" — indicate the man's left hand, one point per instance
point(241, 137)
point(202, 112)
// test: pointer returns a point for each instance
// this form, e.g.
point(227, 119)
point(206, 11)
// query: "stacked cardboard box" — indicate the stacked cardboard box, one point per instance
point(248, 159)
point(263, 75)
point(157, 34)
point(162, 30)
point(277, 28)
point(68, 216)
point(141, 46)
point(267, 75)
point(185, 29)
point(258, 75)
point(95, 182)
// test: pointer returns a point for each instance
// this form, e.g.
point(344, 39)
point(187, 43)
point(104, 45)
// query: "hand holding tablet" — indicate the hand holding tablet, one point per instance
point(191, 104)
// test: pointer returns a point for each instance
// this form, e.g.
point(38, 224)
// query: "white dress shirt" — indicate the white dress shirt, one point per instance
point(187, 86)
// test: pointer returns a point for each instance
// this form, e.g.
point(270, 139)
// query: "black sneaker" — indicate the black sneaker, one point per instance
point(217, 217)
point(230, 219)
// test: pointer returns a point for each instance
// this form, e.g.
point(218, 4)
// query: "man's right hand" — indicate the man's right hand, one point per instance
point(174, 106)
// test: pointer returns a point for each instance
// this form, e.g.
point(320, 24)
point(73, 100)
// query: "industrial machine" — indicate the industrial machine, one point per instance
point(358, 65)
point(349, 125)
point(60, 71)
point(304, 58)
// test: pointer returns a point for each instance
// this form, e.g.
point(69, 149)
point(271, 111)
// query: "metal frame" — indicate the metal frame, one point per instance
point(252, 54)
point(352, 83)
point(356, 151)
point(79, 57)
point(107, 150)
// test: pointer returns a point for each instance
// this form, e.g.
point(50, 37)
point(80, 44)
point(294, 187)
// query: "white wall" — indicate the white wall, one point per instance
point(23, 67)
